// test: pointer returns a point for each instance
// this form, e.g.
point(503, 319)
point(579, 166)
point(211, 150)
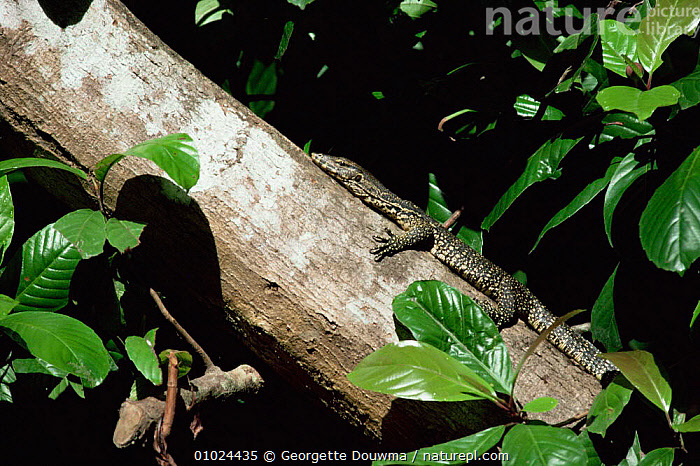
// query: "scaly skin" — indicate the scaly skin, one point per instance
point(513, 299)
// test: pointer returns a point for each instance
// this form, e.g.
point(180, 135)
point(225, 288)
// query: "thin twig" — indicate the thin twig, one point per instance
point(160, 439)
point(208, 363)
point(453, 218)
point(170, 397)
point(576, 418)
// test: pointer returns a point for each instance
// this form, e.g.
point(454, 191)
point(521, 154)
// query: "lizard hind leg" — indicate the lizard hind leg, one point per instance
point(500, 318)
point(505, 313)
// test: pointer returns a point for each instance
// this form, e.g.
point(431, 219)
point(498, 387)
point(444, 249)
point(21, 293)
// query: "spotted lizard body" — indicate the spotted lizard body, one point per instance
point(513, 299)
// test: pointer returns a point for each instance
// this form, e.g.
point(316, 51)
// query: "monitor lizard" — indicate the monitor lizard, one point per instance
point(513, 300)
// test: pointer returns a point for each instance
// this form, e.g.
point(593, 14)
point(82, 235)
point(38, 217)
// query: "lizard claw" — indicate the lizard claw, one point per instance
point(383, 250)
point(381, 239)
point(379, 253)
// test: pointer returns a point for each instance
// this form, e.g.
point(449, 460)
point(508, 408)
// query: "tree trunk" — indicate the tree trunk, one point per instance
point(265, 239)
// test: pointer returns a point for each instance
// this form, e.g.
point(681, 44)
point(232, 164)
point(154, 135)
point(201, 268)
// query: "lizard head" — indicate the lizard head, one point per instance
point(356, 179)
point(363, 185)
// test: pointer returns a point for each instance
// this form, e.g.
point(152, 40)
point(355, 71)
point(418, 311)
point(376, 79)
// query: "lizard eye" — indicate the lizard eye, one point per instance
point(358, 177)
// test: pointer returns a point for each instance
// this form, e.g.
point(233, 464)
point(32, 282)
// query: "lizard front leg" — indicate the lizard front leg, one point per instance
point(393, 244)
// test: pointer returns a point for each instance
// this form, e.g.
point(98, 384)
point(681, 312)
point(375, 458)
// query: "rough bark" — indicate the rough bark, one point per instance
point(264, 238)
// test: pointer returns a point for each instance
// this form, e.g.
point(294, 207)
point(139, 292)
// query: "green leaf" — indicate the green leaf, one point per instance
point(551, 7)
point(142, 354)
point(5, 392)
point(472, 238)
point(626, 126)
point(123, 234)
point(48, 263)
point(592, 456)
point(6, 304)
point(37, 366)
point(596, 77)
point(150, 338)
point(208, 11)
point(541, 404)
point(608, 405)
point(437, 209)
point(692, 425)
point(603, 325)
point(417, 8)
point(418, 371)
point(658, 457)
point(689, 87)
point(521, 276)
point(696, 313)
point(7, 376)
point(462, 449)
point(677, 417)
point(669, 227)
point(171, 153)
point(641, 370)
point(441, 316)
point(540, 166)
point(7, 166)
point(589, 28)
point(77, 388)
point(85, 229)
point(58, 389)
point(527, 107)
point(641, 103)
point(454, 115)
point(7, 216)
point(535, 47)
point(114, 352)
point(300, 3)
point(475, 123)
point(184, 360)
point(619, 45)
point(284, 41)
point(119, 290)
point(536, 445)
point(634, 454)
point(582, 199)
point(437, 205)
point(634, 19)
point(61, 341)
point(589, 82)
point(262, 80)
point(626, 173)
point(664, 23)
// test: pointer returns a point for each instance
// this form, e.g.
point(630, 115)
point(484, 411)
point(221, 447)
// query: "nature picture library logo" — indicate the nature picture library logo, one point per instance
point(661, 20)
point(671, 20)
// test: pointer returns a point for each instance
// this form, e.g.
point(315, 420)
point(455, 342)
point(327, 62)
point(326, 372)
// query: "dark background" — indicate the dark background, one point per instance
point(368, 48)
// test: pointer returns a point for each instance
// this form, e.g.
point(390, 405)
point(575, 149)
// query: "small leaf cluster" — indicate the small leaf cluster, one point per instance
point(669, 227)
point(641, 372)
point(624, 77)
point(458, 355)
point(37, 279)
point(260, 76)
